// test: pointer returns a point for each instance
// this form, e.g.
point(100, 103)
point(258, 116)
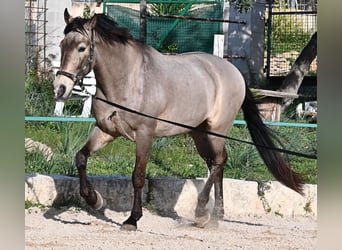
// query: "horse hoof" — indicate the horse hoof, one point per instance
point(128, 227)
point(99, 201)
point(202, 221)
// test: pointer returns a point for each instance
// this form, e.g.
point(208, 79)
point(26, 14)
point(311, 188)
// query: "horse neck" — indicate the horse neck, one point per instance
point(116, 66)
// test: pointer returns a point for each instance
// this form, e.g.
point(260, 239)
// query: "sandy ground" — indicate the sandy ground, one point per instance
point(73, 228)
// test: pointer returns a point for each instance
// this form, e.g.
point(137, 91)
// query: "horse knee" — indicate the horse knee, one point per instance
point(81, 158)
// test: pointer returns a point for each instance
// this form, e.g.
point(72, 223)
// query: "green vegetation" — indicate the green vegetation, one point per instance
point(167, 8)
point(29, 204)
point(176, 157)
point(38, 95)
point(288, 34)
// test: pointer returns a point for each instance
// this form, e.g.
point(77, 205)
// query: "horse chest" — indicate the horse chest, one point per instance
point(114, 124)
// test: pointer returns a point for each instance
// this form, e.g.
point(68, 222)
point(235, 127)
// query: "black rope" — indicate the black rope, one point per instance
point(205, 131)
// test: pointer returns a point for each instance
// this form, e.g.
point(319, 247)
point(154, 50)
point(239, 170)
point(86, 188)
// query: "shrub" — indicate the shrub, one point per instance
point(65, 139)
point(38, 96)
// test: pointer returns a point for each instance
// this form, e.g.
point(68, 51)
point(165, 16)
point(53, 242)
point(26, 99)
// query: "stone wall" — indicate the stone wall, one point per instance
point(175, 197)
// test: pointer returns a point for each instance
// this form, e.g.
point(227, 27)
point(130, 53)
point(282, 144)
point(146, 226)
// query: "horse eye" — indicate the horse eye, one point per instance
point(81, 49)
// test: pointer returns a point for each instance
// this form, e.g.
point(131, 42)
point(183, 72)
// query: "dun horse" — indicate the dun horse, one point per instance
point(197, 89)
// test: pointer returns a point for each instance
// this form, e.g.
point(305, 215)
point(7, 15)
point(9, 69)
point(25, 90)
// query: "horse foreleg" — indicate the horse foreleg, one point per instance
point(97, 140)
point(143, 149)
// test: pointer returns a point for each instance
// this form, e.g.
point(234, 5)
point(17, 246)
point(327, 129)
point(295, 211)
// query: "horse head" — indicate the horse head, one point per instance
point(77, 54)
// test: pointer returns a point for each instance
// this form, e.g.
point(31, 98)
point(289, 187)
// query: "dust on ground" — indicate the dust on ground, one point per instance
point(74, 228)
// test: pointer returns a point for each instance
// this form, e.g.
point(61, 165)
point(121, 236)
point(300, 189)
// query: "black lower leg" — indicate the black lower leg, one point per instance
point(136, 212)
point(203, 198)
point(138, 179)
point(86, 189)
point(218, 185)
point(218, 211)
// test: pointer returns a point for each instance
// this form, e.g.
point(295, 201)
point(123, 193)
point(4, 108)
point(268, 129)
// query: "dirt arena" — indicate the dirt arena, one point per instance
point(73, 228)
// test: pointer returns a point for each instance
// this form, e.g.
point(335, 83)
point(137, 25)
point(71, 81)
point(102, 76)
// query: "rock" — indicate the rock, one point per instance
point(32, 146)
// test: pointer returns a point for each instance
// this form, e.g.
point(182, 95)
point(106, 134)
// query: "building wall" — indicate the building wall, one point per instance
point(246, 40)
point(55, 27)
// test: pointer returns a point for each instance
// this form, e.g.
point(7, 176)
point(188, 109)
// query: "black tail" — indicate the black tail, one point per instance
point(262, 135)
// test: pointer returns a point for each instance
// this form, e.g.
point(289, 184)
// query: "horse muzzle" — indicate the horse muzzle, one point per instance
point(61, 92)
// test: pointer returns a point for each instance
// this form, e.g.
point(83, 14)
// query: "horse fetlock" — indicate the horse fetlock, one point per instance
point(99, 201)
point(201, 203)
point(136, 215)
point(218, 213)
point(92, 198)
point(200, 212)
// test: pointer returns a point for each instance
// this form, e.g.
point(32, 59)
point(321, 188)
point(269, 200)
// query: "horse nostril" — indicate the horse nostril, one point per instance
point(61, 91)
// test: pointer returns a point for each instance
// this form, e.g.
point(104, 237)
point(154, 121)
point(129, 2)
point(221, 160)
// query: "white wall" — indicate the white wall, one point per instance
point(55, 26)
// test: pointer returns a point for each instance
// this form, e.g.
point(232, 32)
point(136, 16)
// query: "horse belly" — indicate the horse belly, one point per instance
point(165, 129)
point(191, 111)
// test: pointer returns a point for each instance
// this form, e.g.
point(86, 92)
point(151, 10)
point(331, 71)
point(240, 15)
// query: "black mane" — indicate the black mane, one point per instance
point(106, 28)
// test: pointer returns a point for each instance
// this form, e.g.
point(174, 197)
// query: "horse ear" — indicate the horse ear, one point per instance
point(93, 21)
point(67, 17)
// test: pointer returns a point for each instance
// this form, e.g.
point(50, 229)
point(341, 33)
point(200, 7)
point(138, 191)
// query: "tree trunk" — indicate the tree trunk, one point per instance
point(299, 69)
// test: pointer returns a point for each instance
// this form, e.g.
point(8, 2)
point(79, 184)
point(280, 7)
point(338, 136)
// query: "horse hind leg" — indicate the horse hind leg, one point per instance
point(97, 140)
point(212, 150)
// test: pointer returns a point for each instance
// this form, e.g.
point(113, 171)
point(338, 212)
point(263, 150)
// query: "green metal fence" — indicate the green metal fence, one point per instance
point(169, 34)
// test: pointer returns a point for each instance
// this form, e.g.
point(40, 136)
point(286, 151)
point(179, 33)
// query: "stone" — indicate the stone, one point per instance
point(173, 197)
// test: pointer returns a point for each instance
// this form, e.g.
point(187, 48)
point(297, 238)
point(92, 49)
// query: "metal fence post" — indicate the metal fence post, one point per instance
point(143, 20)
point(269, 37)
point(218, 45)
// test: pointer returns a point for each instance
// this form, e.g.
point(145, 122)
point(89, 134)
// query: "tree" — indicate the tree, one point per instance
point(299, 69)
point(87, 12)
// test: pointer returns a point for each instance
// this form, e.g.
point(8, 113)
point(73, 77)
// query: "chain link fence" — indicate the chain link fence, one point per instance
point(288, 31)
